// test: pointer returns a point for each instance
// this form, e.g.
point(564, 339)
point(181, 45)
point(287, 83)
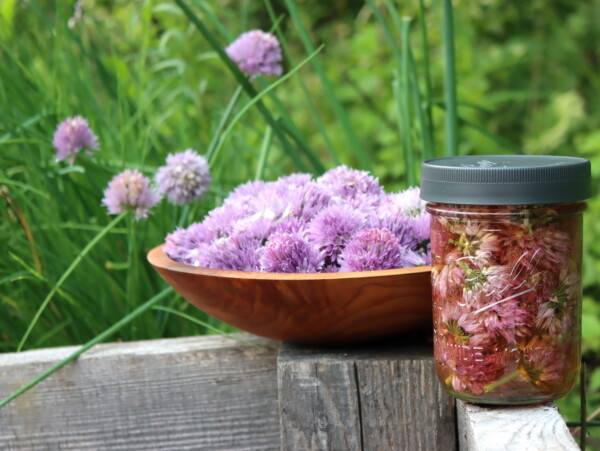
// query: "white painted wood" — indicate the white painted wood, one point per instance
point(520, 428)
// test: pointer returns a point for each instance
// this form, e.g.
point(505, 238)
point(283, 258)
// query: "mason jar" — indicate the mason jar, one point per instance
point(506, 242)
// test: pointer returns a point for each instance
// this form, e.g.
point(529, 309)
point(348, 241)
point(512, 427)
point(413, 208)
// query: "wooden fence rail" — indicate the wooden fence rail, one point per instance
point(215, 393)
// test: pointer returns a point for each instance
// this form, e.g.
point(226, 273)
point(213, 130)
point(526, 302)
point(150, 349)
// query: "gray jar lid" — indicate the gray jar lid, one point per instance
point(506, 179)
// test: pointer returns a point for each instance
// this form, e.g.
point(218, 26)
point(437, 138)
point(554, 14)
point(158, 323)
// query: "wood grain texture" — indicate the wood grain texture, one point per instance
point(384, 397)
point(307, 308)
point(522, 428)
point(209, 393)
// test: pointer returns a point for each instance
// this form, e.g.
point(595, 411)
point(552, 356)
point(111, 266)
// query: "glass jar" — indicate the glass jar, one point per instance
point(506, 240)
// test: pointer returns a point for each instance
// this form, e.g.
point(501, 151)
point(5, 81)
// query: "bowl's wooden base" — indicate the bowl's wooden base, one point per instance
point(307, 308)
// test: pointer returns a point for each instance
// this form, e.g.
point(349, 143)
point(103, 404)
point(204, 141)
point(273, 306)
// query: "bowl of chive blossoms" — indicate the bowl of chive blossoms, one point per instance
point(332, 259)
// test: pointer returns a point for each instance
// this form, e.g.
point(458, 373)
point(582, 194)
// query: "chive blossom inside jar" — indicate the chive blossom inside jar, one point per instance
point(506, 239)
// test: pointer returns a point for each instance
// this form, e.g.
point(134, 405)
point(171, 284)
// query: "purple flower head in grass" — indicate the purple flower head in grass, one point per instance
point(72, 135)
point(185, 178)
point(130, 190)
point(371, 250)
point(348, 183)
point(290, 253)
point(331, 230)
point(256, 53)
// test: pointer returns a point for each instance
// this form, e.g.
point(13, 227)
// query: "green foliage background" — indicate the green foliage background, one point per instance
point(150, 84)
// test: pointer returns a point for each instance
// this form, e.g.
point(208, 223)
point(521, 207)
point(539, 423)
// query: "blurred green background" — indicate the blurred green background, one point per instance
point(149, 83)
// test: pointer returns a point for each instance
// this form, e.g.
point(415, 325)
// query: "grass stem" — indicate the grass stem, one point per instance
point(450, 81)
point(264, 154)
point(90, 344)
point(66, 274)
point(339, 110)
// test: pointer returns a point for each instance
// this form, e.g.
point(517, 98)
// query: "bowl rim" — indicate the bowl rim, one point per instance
point(159, 259)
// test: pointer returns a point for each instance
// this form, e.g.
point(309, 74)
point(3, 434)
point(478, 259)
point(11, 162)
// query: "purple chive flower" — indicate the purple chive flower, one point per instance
point(420, 227)
point(393, 220)
point(291, 225)
point(412, 258)
point(348, 183)
point(189, 245)
point(256, 53)
point(221, 220)
point(235, 253)
point(177, 244)
point(405, 216)
point(72, 135)
point(130, 190)
point(77, 14)
point(297, 224)
point(305, 201)
point(297, 179)
point(252, 188)
point(331, 230)
point(410, 201)
point(290, 253)
point(257, 228)
point(371, 250)
point(185, 178)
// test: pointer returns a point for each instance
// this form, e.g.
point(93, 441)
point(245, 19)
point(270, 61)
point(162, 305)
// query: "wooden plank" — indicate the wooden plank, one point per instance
point(520, 428)
point(326, 416)
point(370, 398)
point(209, 393)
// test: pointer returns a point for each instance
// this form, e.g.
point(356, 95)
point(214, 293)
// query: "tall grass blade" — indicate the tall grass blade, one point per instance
point(402, 123)
point(257, 99)
point(386, 29)
point(286, 122)
point(339, 110)
point(311, 104)
point(493, 136)
point(405, 99)
point(264, 154)
point(213, 19)
point(66, 274)
point(221, 125)
point(90, 344)
point(206, 325)
point(245, 83)
point(427, 75)
point(415, 95)
point(421, 109)
point(450, 81)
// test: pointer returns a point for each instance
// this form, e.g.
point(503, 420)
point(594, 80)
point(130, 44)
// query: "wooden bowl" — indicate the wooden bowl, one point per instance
point(332, 308)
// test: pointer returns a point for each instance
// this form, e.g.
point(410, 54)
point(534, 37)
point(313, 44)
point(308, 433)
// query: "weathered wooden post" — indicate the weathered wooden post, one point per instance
point(381, 397)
